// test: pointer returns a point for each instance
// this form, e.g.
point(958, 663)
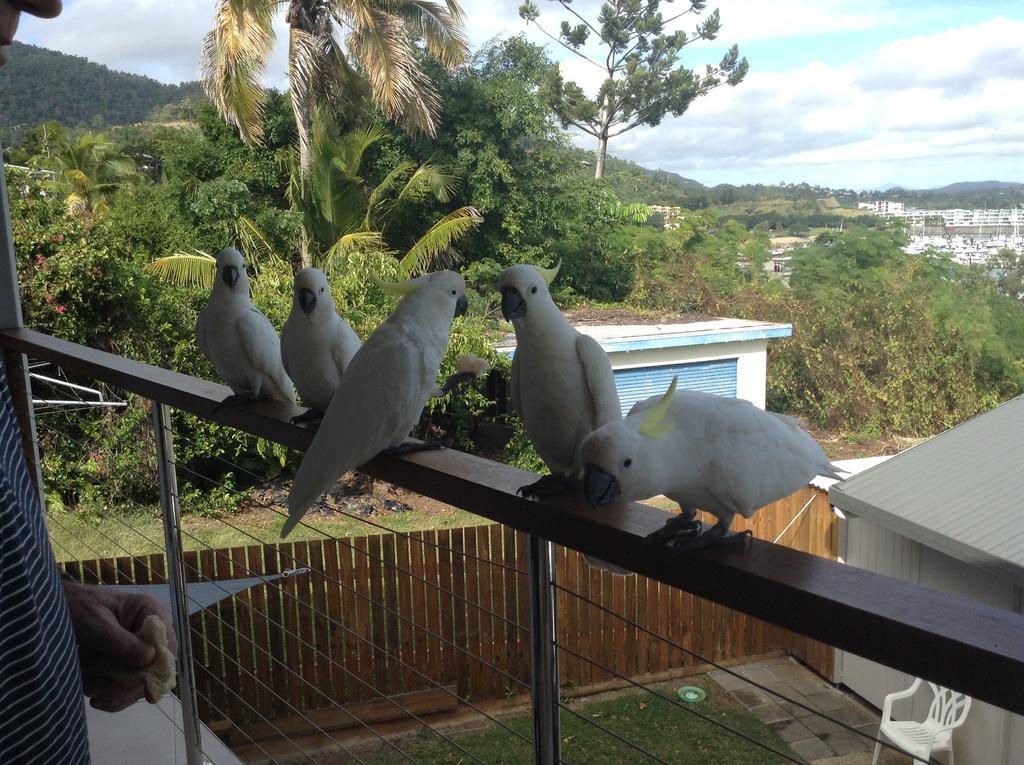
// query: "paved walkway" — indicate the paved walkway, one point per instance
point(812, 736)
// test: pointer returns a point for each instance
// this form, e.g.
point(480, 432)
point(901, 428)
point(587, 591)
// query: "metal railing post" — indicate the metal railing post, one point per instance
point(191, 726)
point(543, 652)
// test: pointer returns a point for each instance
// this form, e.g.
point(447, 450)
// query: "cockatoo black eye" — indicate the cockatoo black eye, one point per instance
point(321, 289)
point(453, 292)
point(533, 290)
point(628, 462)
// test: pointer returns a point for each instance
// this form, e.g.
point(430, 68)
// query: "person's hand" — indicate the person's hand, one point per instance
point(105, 622)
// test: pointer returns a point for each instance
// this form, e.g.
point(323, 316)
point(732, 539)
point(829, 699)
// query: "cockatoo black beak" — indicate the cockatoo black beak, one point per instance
point(461, 306)
point(599, 486)
point(512, 304)
point(307, 301)
point(230, 275)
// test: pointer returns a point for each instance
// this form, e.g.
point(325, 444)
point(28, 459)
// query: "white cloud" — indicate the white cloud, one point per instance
point(899, 113)
point(151, 37)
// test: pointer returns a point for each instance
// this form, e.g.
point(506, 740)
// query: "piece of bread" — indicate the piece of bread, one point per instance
point(159, 677)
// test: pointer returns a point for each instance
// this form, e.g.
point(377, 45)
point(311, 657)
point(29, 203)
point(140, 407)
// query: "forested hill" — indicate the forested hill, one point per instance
point(39, 85)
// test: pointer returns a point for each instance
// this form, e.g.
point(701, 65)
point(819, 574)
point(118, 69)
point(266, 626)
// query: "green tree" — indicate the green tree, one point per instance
point(89, 171)
point(321, 71)
point(1009, 267)
point(642, 79)
point(342, 217)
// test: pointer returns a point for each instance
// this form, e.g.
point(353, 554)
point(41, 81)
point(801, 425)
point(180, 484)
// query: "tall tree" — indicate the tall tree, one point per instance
point(642, 78)
point(89, 171)
point(380, 50)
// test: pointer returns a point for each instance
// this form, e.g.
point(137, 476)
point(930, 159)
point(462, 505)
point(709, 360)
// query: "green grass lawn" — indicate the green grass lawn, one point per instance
point(659, 727)
point(78, 536)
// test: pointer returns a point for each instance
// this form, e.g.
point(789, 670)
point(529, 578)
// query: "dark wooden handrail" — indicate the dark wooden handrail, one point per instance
point(959, 643)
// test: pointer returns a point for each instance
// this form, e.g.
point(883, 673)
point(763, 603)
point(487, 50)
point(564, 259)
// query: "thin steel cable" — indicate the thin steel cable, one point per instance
point(735, 674)
point(344, 541)
point(367, 553)
point(264, 483)
point(673, 702)
point(364, 639)
point(253, 741)
point(269, 688)
point(612, 733)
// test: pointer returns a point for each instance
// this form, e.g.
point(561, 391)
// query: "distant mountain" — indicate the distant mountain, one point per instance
point(954, 188)
point(39, 85)
point(634, 183)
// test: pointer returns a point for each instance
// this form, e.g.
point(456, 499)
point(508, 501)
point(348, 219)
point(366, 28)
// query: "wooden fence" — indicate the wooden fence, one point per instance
point(398, 613)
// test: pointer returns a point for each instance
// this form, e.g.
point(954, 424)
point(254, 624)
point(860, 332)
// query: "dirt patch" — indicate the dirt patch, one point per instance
point(841, 446)
point(356, 494)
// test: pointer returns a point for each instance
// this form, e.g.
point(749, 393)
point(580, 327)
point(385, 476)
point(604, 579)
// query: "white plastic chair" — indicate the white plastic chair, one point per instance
point(948, 711)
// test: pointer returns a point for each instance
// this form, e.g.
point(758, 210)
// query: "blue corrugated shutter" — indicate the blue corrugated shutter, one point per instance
point(643, 382)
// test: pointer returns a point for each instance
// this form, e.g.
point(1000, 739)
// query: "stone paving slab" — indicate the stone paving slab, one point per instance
point(812, 735)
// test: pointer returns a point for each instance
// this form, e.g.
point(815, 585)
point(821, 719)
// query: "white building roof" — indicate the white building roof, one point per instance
point(635, 337)
point(961, 492)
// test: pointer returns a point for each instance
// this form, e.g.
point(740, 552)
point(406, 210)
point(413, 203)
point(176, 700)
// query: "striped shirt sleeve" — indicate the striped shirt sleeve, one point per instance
point(42, 719)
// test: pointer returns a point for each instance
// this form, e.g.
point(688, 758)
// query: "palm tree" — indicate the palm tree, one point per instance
point(322, 73)
point(341, 214)
point(89, 171)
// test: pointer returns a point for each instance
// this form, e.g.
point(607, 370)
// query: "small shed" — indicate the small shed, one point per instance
point(711, 354)
point(947, 514)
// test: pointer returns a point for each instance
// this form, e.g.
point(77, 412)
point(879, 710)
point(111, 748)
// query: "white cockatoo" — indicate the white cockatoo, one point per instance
point(721, 455)
point(384, 389)
point(239, 340)
point(562, 384)
point(316, 343)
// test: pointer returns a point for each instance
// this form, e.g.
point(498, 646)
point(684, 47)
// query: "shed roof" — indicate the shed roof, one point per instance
point(961, 492)
point(637, 337)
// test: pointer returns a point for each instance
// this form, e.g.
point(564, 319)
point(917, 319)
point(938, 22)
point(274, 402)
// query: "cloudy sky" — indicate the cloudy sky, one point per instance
point(851, 93)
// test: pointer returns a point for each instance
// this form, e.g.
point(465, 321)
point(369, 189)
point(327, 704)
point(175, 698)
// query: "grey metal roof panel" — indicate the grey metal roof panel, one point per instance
point(961, 492)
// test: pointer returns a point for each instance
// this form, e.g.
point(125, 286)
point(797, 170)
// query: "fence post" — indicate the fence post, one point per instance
point(191, 726)
point(543, 652)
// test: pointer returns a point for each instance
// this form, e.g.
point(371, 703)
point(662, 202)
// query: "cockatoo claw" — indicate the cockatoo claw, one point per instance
point(548, 486)
point(240, 398)
point(310, 415)
point(676, 530)
point(408, 447)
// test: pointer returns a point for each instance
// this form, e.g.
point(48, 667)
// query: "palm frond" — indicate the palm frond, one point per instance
point(380, 203)
point(195, 269)
point(357, 240)
point(305, 70)
point(399, 86)
point(254, 244)
point(433, 249)
point(355, 143)
point(430, 178)
point(438, 25)
point(234, 56)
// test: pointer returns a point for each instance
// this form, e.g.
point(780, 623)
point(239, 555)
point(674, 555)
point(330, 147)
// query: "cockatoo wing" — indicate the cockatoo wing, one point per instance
point(513, 387)
point(597, 371)
point(368, 413)
point(344, 344)
point(288, 368)
point(261, 349)
point(204, 346)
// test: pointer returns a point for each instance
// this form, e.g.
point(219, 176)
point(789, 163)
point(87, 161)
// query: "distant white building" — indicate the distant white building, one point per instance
point(882, 207)
point(960, 218)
